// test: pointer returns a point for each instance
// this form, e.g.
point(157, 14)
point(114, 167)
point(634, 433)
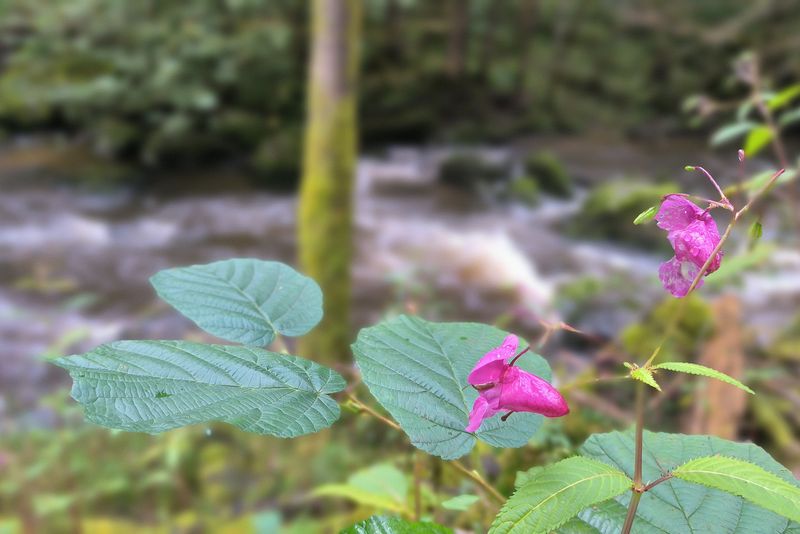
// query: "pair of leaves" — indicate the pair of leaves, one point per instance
point(418, 371)
point(152, 386)
point(695, 502)
point(645, 374)
point(758, 136)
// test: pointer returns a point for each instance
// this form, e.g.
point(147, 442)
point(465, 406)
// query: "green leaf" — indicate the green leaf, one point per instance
point(756, 231)
point(558, 492)
point(746, 480)
point(644, 375)
point(381, 486)
point(243, 300)
point(418, 371)
point(460, 503)
point(677, 506)
point(731, 131)
point(646, 216)
point(394, 525)
point(789, 117)
point(152, 386)
point(757, 139)
point(783, 97)
point(701, 370)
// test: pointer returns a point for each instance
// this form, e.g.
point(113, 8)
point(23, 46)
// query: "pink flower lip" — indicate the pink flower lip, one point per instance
point(694, 236)
point(505, 388)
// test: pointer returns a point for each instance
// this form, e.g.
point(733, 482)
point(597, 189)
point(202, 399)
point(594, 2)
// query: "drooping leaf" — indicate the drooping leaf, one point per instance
point(152, 386)
point(557, 493)
point(677, 506)
point(646, 216)
point(381, 486)
point(379, 524)
point(417, 370)
point(756, 231)
point(731, 131)
point(746, 480)
point(460, 503)
point(246, 301)
point(701, 370)
point(757, 139)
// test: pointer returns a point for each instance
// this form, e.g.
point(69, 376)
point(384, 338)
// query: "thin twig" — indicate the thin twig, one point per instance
point(479, 480)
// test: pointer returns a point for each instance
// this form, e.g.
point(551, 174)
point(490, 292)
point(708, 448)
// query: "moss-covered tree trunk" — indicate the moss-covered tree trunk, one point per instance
point(325, 217)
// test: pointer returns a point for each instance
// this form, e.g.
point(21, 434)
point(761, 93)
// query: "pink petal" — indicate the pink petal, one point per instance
point(490, 367)
point(526, 392)
point(696, 242)
point(676, 213)
point(677, 276)
point(480, 411)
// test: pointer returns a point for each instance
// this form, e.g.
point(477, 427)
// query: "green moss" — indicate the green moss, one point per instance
point(550, 174)
point(525, 189)
point(610, 209)
point(694, 327)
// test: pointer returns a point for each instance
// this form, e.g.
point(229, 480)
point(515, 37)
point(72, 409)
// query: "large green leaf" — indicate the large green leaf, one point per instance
point(379, 524)
point(677, 506)
point(418, 371)
point(152, 386)
point(702, 370)
point(381, 486)
point(746, 480)
point(246, 301)
point(557, 493)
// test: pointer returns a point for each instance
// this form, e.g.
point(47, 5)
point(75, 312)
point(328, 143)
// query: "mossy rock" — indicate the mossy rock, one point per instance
point(470, 171)
point(276, 160)
point(693, 328)
point(525, 189)
point(550, 174)
point(610, 209)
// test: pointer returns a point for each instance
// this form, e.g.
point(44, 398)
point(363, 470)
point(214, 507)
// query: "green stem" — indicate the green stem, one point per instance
point(638, 487)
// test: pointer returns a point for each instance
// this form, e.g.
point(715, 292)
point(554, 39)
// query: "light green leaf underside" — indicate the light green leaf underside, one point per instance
point(677, 506)
point(394, 525)
point(746, 480)
point(731, 132)
point(245, 301)
point(460, 503)
point(558, 492)
point(152, 386)
point(418, 371)
point(381, 486)
point(701, 370)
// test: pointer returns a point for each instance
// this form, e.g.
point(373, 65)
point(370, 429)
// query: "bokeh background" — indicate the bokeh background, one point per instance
point(504, 149)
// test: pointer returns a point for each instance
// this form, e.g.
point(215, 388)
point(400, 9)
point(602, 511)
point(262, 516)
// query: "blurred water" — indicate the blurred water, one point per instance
point(74, 265)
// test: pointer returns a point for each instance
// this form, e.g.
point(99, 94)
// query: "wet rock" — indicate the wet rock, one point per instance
point(547, 171)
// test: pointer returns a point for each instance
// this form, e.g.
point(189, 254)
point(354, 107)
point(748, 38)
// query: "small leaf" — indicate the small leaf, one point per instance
point(557, 493)
point(756, 231)
point(378, 524)
point(643, 374)
point(246, 301)
point(756, 140)
point(646, 216)
point(460, 503)
point(783, 97)
point(701, 370)
point(789, 117)
point(731, 131)
point(745, 480)
point(153, 386)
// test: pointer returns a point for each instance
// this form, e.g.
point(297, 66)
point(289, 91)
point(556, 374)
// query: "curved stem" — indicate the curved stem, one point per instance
point(479, 480)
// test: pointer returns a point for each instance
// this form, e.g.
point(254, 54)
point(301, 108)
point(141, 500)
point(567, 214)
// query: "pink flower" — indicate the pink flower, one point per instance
point(694, 236)
point(505, 388)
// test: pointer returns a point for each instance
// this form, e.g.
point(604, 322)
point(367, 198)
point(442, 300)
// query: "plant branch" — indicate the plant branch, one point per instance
point(478, 479)
point(656, 482)
point(637, 488)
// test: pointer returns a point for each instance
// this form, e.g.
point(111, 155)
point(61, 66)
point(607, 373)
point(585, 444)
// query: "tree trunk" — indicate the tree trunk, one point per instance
point(325, 212)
